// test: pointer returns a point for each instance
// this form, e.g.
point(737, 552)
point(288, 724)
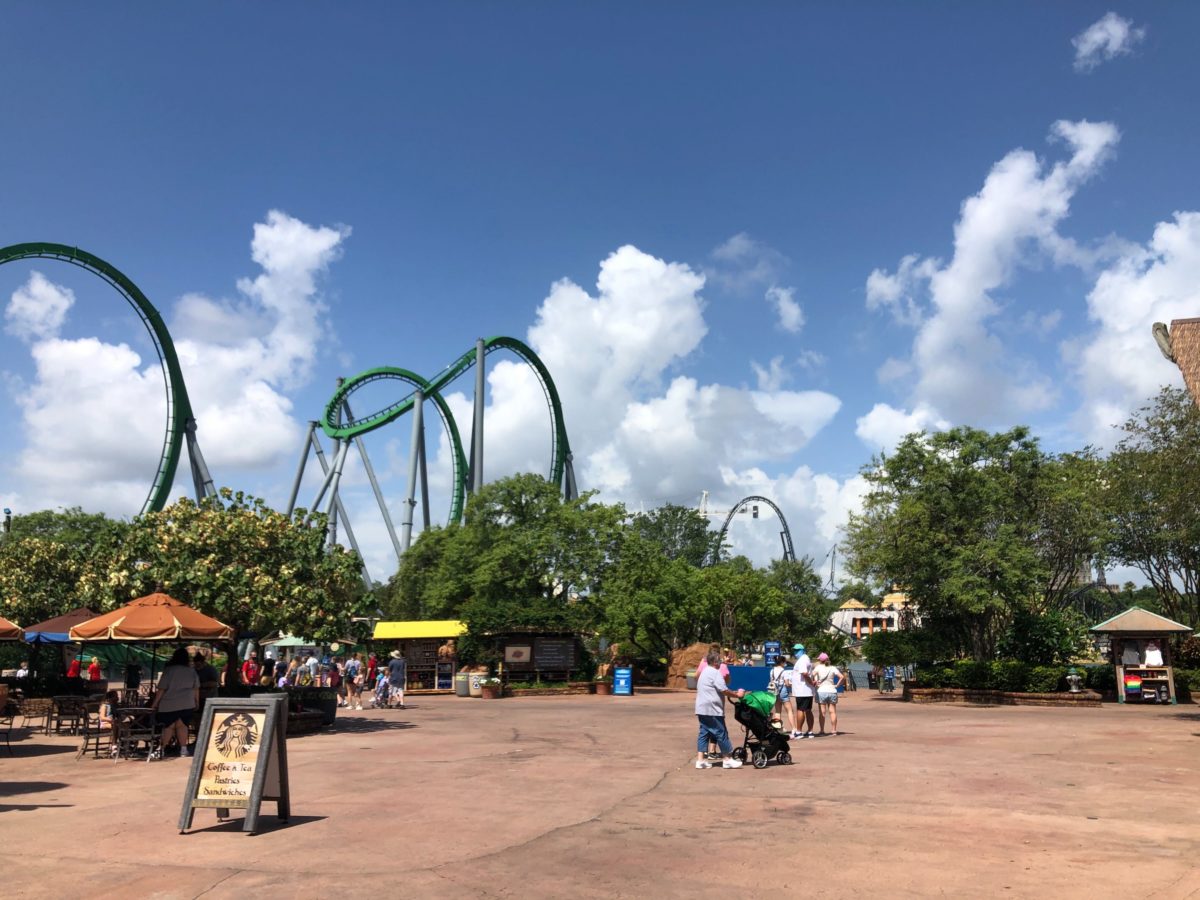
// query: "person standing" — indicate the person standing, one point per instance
point(207, 673)
point(781, 687)
point(372, 668)
point(314, 669)
point(827, 678)
point(268, 669)
point(802, 690)
point(711, 691)
point(250, 669)
point(23, 669)
point(176, 698)
point(397, 678)
point(94, 671)
point(354, 681)
point(74, 668)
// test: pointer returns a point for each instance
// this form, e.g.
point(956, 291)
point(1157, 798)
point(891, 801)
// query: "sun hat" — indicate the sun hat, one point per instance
point(798, 647)
point(395, 654)
point(824, 657)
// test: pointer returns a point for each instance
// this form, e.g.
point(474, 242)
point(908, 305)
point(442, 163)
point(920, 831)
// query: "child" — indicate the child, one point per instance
point(381, 689)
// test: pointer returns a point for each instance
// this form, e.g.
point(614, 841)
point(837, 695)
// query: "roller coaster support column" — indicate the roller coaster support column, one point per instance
point(339, 463)
point(570, 491)
point(387, 516)
point(424, 479)
point(200, 475)
point(308, 443)
point(320, 452)
point(477, 427)
point(414, 463)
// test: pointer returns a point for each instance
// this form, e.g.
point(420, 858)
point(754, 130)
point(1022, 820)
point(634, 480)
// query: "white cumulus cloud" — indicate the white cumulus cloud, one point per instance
point(1118, 366)
point(960, 365)
point(791, 315)
point(1105, 39)
point(884, 426)
point(37, 310)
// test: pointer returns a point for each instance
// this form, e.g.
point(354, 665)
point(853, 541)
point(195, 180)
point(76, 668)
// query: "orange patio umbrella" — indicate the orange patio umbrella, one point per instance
point(9, 631)
point(155, 617)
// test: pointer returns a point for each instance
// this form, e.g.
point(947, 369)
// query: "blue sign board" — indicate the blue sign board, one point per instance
point(770, 652)
point(622, 682)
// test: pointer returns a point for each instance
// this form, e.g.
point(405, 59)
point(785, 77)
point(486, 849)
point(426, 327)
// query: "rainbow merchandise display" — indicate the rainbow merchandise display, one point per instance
point(1133, 684)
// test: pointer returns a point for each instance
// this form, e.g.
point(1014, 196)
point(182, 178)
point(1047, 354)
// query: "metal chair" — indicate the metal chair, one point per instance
point(37, 708)
point(70, 712)
point(95, 737)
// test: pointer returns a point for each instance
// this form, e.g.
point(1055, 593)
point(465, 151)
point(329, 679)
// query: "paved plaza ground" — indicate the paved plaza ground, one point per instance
point(597, 797)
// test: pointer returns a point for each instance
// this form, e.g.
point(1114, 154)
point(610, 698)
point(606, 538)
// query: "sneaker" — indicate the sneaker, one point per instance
point(808, 735)
point(795, 735)
point(703, 764)
point(731, 763)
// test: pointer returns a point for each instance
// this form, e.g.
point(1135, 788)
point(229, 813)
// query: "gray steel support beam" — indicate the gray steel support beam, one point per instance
point(366, 576)
point(406, 523)
point(308, 442)
point(366, 460)
point(201, 479)
point(424, 482)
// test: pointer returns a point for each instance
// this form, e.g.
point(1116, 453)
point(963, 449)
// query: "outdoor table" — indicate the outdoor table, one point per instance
point(134, 726)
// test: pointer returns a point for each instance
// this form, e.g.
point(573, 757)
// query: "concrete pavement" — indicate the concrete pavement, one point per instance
point(597, 797)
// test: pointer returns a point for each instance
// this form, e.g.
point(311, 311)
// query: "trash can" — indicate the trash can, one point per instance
point(462, 684)
point(691, 680)
point(475, 689)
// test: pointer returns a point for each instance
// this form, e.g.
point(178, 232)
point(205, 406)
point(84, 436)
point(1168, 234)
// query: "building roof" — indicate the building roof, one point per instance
point(1136, 620)
point(853, 604)
point(400, 631)
point(1185, 345)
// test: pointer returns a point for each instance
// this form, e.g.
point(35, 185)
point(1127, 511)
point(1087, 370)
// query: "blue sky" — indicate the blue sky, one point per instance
point(424, 174)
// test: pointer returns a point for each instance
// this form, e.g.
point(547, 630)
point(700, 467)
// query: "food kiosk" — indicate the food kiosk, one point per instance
point(428, 647)
point(1140, 649)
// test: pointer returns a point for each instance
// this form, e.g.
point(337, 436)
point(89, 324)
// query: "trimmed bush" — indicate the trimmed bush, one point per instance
point(1045, 679)
point(1187, 683)
point(1009, 675)
point(976, 676)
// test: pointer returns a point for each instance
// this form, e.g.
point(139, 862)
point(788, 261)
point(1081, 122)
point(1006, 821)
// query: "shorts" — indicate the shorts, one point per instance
point(804, 704)
point(163, 718)
point(784, 694)
point(827, 697)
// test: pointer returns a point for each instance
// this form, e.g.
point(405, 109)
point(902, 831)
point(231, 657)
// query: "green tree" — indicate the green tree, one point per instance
point(680, 531)
point(523, 557)
point(50, 561)
point(808, 609)
point(857, 590)
point(953, 517)
point(1153, 499)
point(1073, 525)
point(234, 558)
point(889, 648)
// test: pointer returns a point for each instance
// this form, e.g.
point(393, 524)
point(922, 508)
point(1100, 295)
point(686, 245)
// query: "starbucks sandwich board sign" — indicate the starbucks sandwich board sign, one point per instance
point(240, 759)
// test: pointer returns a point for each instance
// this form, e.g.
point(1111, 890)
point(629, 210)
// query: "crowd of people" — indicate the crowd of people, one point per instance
point(797, 683)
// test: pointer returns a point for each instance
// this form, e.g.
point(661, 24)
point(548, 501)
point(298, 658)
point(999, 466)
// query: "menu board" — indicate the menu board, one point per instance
point(240, 759)
point(554, 654)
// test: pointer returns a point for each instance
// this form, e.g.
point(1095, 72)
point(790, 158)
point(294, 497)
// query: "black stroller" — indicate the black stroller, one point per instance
point(762, 743)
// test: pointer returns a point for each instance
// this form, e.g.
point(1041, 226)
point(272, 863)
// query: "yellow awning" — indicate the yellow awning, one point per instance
point(402, 631)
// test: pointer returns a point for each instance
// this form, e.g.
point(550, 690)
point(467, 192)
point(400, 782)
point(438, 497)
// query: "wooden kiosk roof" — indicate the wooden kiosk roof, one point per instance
point(444, 628)
point(1185, 345)
point(1136, 620)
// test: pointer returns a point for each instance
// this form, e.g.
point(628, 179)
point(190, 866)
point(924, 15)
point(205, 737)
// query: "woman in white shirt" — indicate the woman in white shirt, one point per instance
point(827, 678)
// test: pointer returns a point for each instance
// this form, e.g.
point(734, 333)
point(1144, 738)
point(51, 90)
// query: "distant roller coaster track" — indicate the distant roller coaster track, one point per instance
point(180, 420)
point(336, 424)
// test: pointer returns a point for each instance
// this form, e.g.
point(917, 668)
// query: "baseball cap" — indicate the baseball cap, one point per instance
point(824, 657)
point(798, 648)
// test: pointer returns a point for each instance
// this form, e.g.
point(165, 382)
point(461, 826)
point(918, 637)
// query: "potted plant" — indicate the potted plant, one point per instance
point(603, 685)
point(491, 687)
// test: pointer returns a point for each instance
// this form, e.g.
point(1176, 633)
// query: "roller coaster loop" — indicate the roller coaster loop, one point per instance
point(339, 426)
point(181, 423)
point(785, 535)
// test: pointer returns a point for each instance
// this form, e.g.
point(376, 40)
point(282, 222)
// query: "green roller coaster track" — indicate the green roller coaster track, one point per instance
point(179, 408)
point(336, 425)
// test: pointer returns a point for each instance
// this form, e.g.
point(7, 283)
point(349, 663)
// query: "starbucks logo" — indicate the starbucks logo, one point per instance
point(236, 735)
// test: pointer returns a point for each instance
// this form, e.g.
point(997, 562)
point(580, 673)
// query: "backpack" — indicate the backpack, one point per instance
point(779, 680)
point(335, 678)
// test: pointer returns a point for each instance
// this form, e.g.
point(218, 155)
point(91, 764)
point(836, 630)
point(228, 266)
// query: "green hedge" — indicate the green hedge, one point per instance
point(1187, 683)
point(1001, 675)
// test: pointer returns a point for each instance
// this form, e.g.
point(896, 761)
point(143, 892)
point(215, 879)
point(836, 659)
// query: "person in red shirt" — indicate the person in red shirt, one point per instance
point(73, 669)
point(250, 669)
point(94, 673)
